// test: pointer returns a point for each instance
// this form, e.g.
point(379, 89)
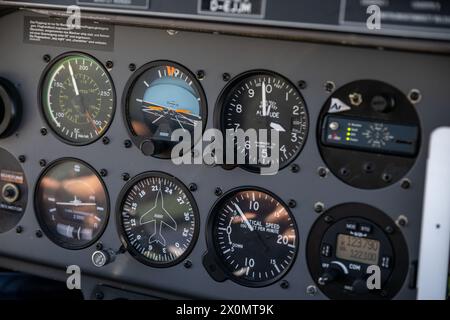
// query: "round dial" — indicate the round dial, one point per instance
point(265, 100)
point(78, 98)
point(162, 97)
point(254, 236)
point(158, 219)
point(72, 204)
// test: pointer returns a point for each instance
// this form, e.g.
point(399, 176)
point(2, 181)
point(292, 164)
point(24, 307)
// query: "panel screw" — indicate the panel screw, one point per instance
point(292, 203)
point(386, 177)
point(389, 229)
point(99, 295)
point(42, 163)
point(406, 184)
point(344, 172)
point(200, 74)
point(19, 229)
point(415, 96)
point(125, 176)
point(322, 172)
point(22, 158)
point(127, 144)
point(328, 219)
point(99, 246)
point(295, 168)
point(46, 58)
point(192, 187)
point(311, 290)
point(226, 77)
point(302, 84)
point(103, 172)
point(284, 284)
point(402, 221)
point(319, 207)
point(43, 131)
point(329, 86)
point(106, 140)
point(109, 64)
point(187, 264)
point(38, 233)
point(132, 67)
point(218, 191)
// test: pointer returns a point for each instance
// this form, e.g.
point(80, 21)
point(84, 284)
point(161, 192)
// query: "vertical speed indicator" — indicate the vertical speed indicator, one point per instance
point(77, 98)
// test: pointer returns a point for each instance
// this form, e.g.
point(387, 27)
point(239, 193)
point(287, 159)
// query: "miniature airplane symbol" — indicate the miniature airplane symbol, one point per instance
point(158, 215)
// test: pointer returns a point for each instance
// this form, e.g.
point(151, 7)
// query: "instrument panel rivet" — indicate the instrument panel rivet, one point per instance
point(103, 172)
point(328, 219)
point(46, 58)
point(402, 221)
point(99, 246)
point(302, 84)
point(389, 229)
point(43, 131)
point(329, 86)
point(127, 144)
point(99, 295)
point(284, 284)
point(405, 184)
point(193, 187)
point(414, 96)
point(132, 67)
point(125, 176)
point(42, 163)
point(19, 229)
point(292, 203)
point(22, 158)
point(187, 264)
point(311, 290)
point(295, 168)
point(226, 77)
point(200, 74)
point(109, 64)
point(218, 191)
point(38, 233)
point(322, 172)
point(106, 140)
point(319, 207)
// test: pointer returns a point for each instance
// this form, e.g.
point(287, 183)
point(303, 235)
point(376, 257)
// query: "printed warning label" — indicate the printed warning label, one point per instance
point(55, 32)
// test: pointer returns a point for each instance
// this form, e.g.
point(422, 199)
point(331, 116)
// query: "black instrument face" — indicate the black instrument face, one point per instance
point(158, 219)
point(341, 251)
point(369, 134)
point(161, 97)
point(78, 98)
point(72, 204)
point(13, 191)
point(265, 100)
point(254, 236)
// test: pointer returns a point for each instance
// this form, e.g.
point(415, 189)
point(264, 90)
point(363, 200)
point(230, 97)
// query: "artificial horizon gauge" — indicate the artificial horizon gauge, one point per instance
point(158, 219)
point(71, 203)
point(252, 237)
point(162, 97)
point(13, 191)
point(77, 98)
point(265, 100)
point(347, 243)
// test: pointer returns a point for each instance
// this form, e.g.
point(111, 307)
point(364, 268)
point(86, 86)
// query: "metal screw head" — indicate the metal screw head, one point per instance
point(19, 229)
point(172, 32)
point(46, 58)
point(127, 144)
point(43, 131)
point(218, 191)
point(386, 177)
point(125, 176)
point(200, 74)
point(405, 184)
point(132, 67)
point(302, 84)
point(99, 246)
point(103, 172)
point(284, 284)
point(38, 233)
point(414, 96)
point(319, 207)
point(187, 264)
point(322, 172)
point(389, 229)
point(22, 158)
point(106, 140)
point(344, 172)
point(226, 77)
point(99, 295)
point(292, 203)
point(109, 64)
point(42, 163)
point(328, 219)
point(295, 168)
point(402, 221)
point(311, 290)
point(192, 187)
point(329, 86)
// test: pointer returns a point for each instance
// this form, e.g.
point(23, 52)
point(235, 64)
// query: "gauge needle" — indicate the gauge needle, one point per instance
point(264, 102)
point(277, 127)
point(244, 217)
point(73, 80)
point(88, 116)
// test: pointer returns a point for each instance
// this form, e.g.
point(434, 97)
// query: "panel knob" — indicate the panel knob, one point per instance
point(10, 108)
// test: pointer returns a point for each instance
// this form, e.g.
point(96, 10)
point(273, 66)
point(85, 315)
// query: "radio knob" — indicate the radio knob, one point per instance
point(101, 258)
point(382, 104)
point(333, 273)
point(10, 108)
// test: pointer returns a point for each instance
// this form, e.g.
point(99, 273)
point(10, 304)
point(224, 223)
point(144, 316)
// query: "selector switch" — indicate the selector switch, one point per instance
point(10, 108)
point(10, 193)
point(382, 104)
point(333, 273)
point(101, 258)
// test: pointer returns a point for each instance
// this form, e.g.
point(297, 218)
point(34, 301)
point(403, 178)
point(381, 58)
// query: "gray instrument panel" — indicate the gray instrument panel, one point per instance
point(23, 64)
